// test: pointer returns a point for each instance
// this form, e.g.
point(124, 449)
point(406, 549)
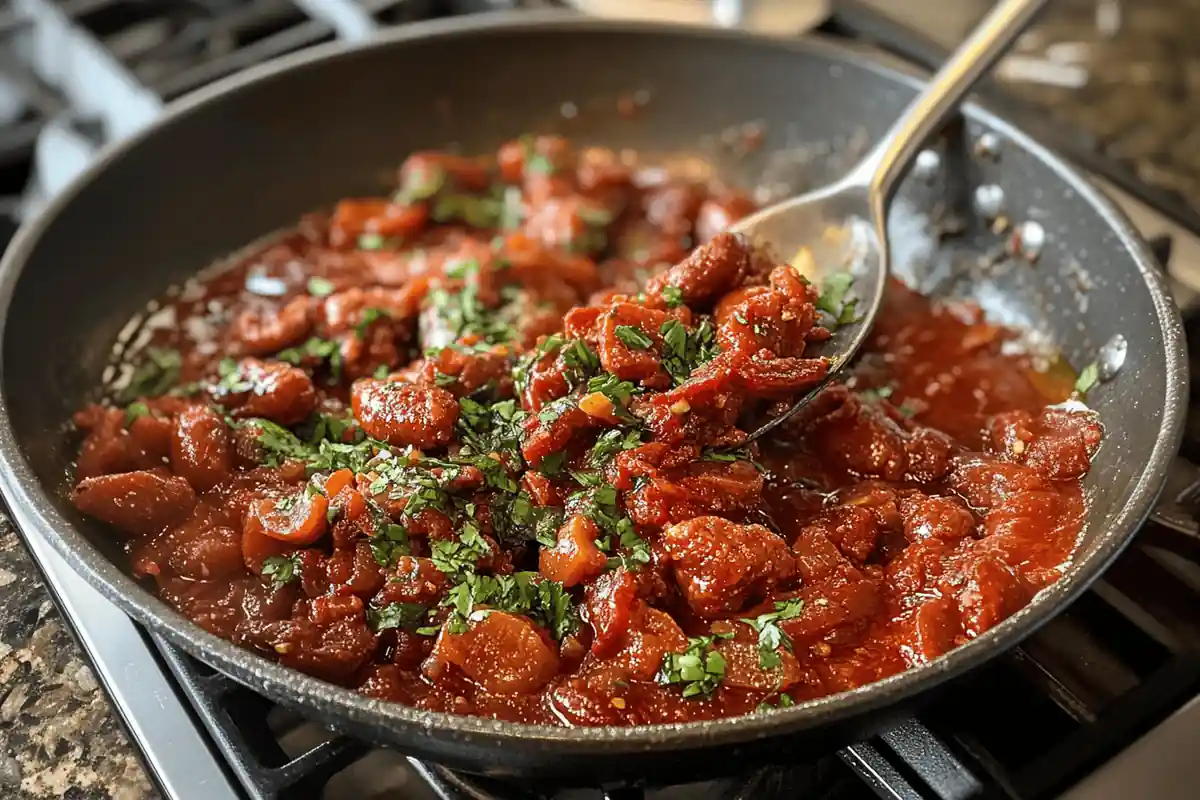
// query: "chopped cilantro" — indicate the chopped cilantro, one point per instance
point(458, 556)
point(633, 338)
point(684, 351)
point(538, 164)
point(136, 411)
point(552, 464)
point(546, 602)
point(320, 287)
point(770, 636)
point(463, 313)
point(730, 455)
point(672, 295)
point(581, 361)
point(370, 315)
point(784, 701)
point(699, 668)
point(617, 391)
point(1089, 376)
point(477, 212)
point(281, 570)
point(833, 299)
point(314, 350)
point(877, 394)
point(396, 615)
point(371, 241)
point(155, 375)
point(610, 443)
point(422, 180)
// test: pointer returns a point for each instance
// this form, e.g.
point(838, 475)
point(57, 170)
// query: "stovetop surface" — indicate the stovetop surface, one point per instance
point(1056, 716)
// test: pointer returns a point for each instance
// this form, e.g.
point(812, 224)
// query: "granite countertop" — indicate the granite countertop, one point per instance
point(1139, 99)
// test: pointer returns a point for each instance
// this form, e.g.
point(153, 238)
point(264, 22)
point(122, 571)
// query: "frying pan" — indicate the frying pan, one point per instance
point(251, 153)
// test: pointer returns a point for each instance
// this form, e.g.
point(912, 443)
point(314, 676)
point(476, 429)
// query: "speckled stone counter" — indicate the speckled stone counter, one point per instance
point(58, 736)
point(1141, 103)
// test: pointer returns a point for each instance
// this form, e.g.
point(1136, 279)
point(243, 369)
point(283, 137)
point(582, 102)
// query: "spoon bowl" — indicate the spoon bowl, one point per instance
point(841, 228)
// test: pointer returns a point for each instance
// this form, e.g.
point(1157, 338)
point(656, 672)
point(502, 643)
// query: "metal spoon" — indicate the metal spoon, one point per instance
point(844, 225)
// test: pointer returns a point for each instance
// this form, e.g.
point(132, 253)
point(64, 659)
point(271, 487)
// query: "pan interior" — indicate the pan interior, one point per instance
point(223, 173)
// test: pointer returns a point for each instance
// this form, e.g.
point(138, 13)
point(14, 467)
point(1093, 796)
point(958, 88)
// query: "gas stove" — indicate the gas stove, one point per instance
point(1104, 702)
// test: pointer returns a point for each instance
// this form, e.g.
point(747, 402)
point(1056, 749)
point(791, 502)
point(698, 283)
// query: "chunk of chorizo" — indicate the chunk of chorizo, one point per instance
point(720, 565)
point(404, 414)
point(138, 503)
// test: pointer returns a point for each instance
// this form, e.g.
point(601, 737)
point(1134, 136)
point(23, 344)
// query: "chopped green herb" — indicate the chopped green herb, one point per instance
point(581, 362)
point(610, 443)
point(552, 464)
point(633, 338)
point(700, 668)
point(833, 299)
point(315, 350)
point(422, 181)
point(538, 164)
point(784, 701)
point(155, 375)
point(320, 287)
point(381, 372)
point(730, 455)
point(462, 312)
point(877, 394)
point(684, 351)
point(458, 556)
point(1089, 376)
point(396, 615)
point(135, 411)
point(615, 389)
point(370, 315)
point(477, 212)
point(546, 602)
point(371, 241)
point(672, 295)
point(281, 570)
point(770, 636)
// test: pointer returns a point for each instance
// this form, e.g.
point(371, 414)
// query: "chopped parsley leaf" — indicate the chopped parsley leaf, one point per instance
point(320, 287)
point(318, 350)
point(784, 701)
point(684, 351)
point(770, 636)
point(633, 338)
point(672, 295)
point(610, 443)
point(833, 299)
point(135, 411)
point(464, 313)
point(155, 375)
point(396, 615)
point(281, 570)
point(370, 315)
point(617, 391)
point(459, 556)
point(1089, 376)
point(525, 593)
point(730, 455)
point(581, 362)
point(699, 668)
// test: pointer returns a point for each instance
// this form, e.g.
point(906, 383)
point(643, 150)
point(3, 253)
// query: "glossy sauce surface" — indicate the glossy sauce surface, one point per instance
point(479, 447)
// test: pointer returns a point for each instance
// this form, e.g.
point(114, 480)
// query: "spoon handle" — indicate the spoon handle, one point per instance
point(889, 159)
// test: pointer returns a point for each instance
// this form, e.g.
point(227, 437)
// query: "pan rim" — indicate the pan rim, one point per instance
point(30, 506)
